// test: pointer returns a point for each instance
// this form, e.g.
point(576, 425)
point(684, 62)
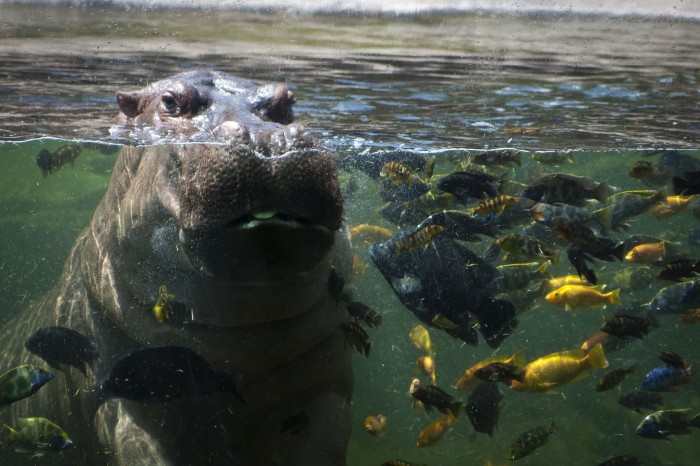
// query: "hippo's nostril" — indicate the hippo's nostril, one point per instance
point(232, 131)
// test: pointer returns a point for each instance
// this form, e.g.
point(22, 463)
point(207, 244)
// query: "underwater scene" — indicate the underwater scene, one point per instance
point(521, 194)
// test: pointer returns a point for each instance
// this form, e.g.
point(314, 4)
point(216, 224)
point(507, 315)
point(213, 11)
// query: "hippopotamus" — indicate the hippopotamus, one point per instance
point(237, 210)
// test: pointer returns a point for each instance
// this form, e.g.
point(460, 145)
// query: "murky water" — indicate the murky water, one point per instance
point(613, 91)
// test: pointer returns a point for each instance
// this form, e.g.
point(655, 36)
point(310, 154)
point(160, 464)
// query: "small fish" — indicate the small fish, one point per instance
point(641, 170)
point(666, 378)
point(549, 214)
point(521, 245)
point(552, 157)
point(628, 204)
point(420, 238)
point(548, 372)
point(467, 185)
point(498, 372)
point(433, 396)
point(400, 463)
point(163, 309)
point(469, 380)
point(622, 460)
point(376, 425)
point(661, 424)
point(35, 434)
point(519, 276)
point(672, 206)
point(579, 259)
point(420, 337)
point(495, 205)
point(502, 157)
point(530, 441)
point(679, 269)
point(436, 430)
point(22, 382)
point(364, 313)
point(61, 345)
point(417, 405)
point(367, 234)
point(51, 162)
point(461, 225)
point(397, 172)
point(567, 189)
point(162, 373)
point(639, 399)
point(573, 297)
point(443, 322)
point(609, 342)
point(626, 326)
point(295, 424)
point(676, 299)
point(611, 379)
point(427, 365)
point(582, 238)
point(484, 407)
point(557, 282)
point(647, 252)
point(398, 183)
point(356, 337)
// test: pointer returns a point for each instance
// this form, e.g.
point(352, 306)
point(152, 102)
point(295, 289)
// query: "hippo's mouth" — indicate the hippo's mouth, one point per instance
point(258, 246)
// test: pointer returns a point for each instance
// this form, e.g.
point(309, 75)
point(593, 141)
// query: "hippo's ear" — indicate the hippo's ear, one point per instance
point(129, 103)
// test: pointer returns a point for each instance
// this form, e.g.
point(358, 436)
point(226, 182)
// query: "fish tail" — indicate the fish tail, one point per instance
point(232, 383)
point(614, 297)
point(596, 357)
point(695, 421)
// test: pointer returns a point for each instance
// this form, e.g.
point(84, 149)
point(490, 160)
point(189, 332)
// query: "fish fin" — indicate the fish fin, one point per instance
point(614, 296)
point(596, 357)
point(7, 434)
point(695, 421)
point(518, 359)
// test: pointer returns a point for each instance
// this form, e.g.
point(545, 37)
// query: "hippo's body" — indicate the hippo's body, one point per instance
point(245, 228)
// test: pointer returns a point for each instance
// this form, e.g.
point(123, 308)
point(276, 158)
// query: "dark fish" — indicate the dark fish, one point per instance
point(626, 326)
point(400, 463)
point(673, 359)
point(36, 435)
point(450, 280)
point(661, 424)
point(356, 337)
point(484, 407)
point(622, 460)
point(51, 162)
point(567, 189)
point(639, 399)
point(60, 345)
point(364, 313)
point(641, 169)
point(411, 213)
point(584, 239)
point(460, 225)
point(679, 269)
point(22, 382)
point(611, 379)
point(686, 183)
point(579, 260)
point(371, 164)
point(530, 441)
point(665, 378)
point(498, 372)
point(433, 396)
point(497, 157)
point(468, 185)
point(163, 373)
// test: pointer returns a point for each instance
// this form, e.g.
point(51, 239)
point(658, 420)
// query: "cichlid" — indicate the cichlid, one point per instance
point(436, 430)
point(22, 382)
point(60, 345)
point(420, 337)
point(567, 189)
point(676, 299)
point(638, 399)
point(51, 162)
point(611, 379)
point(163, 373)
point(435, 397)
point(484, 407)
point(573, 297)
point(530, 441)
point(376, 425)
point(548, 372)
point(661, 424)
point(666, 378)
point(521, 245)
point(35, 434)
point(469, 380)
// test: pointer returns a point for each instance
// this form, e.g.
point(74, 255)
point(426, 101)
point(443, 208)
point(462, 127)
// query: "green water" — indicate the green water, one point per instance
point(604, 88)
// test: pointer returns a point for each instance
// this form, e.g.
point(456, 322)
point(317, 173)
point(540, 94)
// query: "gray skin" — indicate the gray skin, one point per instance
point(256, 291)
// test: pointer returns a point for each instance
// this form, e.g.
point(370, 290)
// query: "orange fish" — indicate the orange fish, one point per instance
point(368, 234)
point(427, 365)
point(647, 252)
point(436, 430)
point(376, 425)
point(674, 204)
point(573, 297)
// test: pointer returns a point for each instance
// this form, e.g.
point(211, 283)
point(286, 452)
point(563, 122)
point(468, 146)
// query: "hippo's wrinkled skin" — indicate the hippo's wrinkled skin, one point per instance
point(257, 291)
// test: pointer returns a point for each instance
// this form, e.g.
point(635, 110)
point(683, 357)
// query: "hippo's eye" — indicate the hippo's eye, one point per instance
point(170, 103)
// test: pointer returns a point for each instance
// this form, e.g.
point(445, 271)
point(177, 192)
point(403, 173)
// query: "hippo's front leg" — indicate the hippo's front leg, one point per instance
point(120, 434)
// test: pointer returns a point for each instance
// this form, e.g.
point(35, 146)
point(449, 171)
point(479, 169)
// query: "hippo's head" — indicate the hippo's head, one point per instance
point(235, 226)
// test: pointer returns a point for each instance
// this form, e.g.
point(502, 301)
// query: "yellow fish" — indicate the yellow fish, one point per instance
point(646, 252)
point(468, 380)
point(421, 340)
point(573, 297)
point(558, 282)
point(376, 425)
point(548, 372)
point(427, 365)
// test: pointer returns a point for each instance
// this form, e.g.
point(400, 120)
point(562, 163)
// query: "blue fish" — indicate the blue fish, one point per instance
point(666, 378)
